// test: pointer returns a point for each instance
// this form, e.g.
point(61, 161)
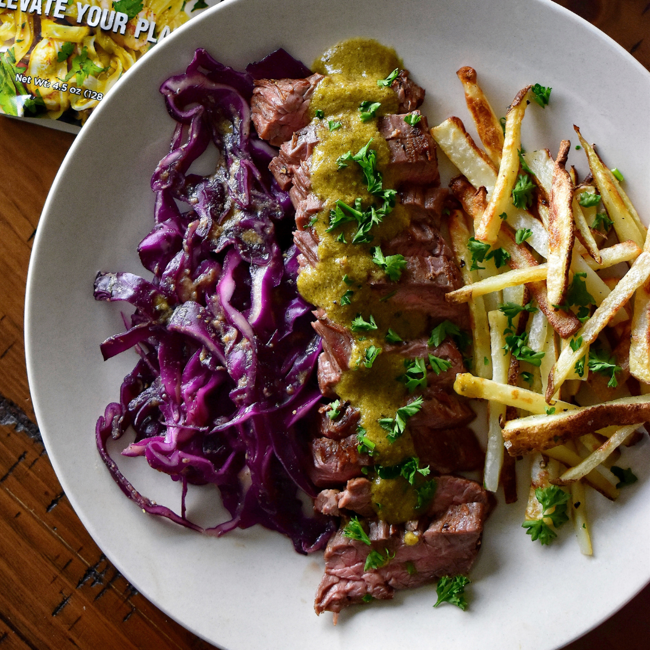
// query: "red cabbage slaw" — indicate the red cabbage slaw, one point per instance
point(224, 387)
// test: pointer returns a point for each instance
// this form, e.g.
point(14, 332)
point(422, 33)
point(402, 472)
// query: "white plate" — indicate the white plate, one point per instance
point(249, 589)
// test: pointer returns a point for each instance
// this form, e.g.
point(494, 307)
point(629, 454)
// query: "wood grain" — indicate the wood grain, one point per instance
point(57, 590)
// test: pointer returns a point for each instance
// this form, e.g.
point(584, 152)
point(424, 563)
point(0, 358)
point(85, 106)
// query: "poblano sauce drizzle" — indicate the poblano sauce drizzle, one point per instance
point(340, 281)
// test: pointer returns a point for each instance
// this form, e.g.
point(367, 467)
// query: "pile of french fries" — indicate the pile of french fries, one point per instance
point(547, 402)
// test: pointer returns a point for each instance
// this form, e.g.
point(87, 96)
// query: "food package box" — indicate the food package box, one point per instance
point(59, 58)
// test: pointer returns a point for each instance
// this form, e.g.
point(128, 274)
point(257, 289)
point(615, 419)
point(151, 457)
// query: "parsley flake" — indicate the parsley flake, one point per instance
point(393, 265)
point(542, 95)
point(372, 353)
point(335, 410)
point(624, 476)
point(365, 446)
point(554, 504)
point(393, 337)
point(377, 559)
point(333, 125)
point(412, 118)
point(517, 344)
point(389, 79)
point(347, 280)
point(354, 530)
point(527, 377)
point(439, 365)
point(600, 361)
point(575, 343)
point(617, 175)
point(523, 163)
point(346, 298)
point(319, 114)
point(129, 7)
point(601, 219)
point(445, 329)
point(578, 294)
point(522, 193)
point(397, 425)
point(500, 256)
point(589, 199)
point(368, 110)
point(512, 310)
point(452, 590)
point(64, 53)
point(550, 410)
point(479, 250)
point(522, 235)
point(360, 325)
point(415, 376)
point(82, 67)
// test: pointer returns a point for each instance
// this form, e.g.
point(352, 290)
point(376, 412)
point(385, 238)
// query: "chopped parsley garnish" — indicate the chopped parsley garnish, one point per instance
point(550, 410)
point(361, 325)
point(199, 4)
point(522, 235)
point(319, 114)
point(617, 175)
point(522, 193)
point(377, 559)
point(346, 298)
point(366, 598)
point(365, 446)
point(579, 367)
point(439, 365)
point(479, 250)
point(389, 79)
point(393, 265)
point(412, 118)
point(527, 377)
point(500, 256)
point(367, 160)
point(516, 343)
point(600, 361)
point(397, 425)
point(372, 353)
point(503, 216)
point(542, 95)
point(583, 314)
point(393, 337)
point(415, 376)
point(425, 493)
point(347, 280)
point(512, 309)
point(578, 294)
point(335, 410)
point(601, 219)
point(410, 568)
point(578, 147)
point(313, 221)
point(554, 503)
point(445, 329)
point(411, 468)
point(343, 160)
point(502, 122)
point(452, 590)
point(624, 476)
point(83, 66)
point(333, 125)
point(575, 343)
point(368, 110)
point(523, 163)
point(131, 7)
point(341, 238)
point(354, 530)
point(66, 50)
point(589, 199)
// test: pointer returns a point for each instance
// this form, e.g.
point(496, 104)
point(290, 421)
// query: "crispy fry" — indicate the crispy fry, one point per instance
point(580, 521)
point(597, 457)
point(497, 283)
point(624, 223)
point(499, 201)
point(461, 149)
point(500, 362)
point(542, 471)
point(597, 481)
point(640, 342)
point(486, 122)
point(561, 229)
point(626, 251)
point(540, 432)
point(623, 291)
point(583, 231)
point(628, 204)
point(540, 162)
point(470, 386)
point(459, 235)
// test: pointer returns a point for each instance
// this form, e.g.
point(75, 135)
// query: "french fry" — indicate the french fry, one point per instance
point(461, 149)
point(626, 251)
point(540, 432)
point(592, 442)
point(597, 481)
point(497, 283)
point(542, 471)
point(548, 360)
point(623, 291)
point(580, 521)
point(486, 122)
point(640, 342)
point(459, 235)
point(540, 162)
point(561, 229)
point(624, 223)
point(597, 457)
point(500, 363)
point(470, 386)
point(499, 201)
point(628, 204)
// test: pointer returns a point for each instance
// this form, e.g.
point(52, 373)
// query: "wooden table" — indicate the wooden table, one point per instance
point(57, 589)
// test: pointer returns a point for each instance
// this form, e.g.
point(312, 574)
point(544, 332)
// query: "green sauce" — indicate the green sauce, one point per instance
point(353, 68)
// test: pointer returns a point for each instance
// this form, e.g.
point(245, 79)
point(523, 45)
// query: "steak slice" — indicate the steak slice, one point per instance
point(410, 95)
point(447, 450)
point(447, 545)
point(306, 242)
point(424, 203)
point(329, 374)
point(343, 426)
point(412, 151)
point(337, 341)
point(442, 410)
point(335, 461)
point(280, 107)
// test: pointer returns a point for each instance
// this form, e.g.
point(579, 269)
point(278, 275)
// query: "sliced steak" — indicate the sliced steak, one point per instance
point(306, 242)
point(410, 95)
point(335, 461)
point(327, 502)
point(448, 545)
point(442, 410)
point(447, 450)
point(337, 341)
point(279, 107)
point(454, 491)
point(357, 497)
point(329, 374)
point(412, 151)
point(343, 426)
point(424, 203)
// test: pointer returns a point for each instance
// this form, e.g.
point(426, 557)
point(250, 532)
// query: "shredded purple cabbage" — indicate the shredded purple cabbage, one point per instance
point(224, 391)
